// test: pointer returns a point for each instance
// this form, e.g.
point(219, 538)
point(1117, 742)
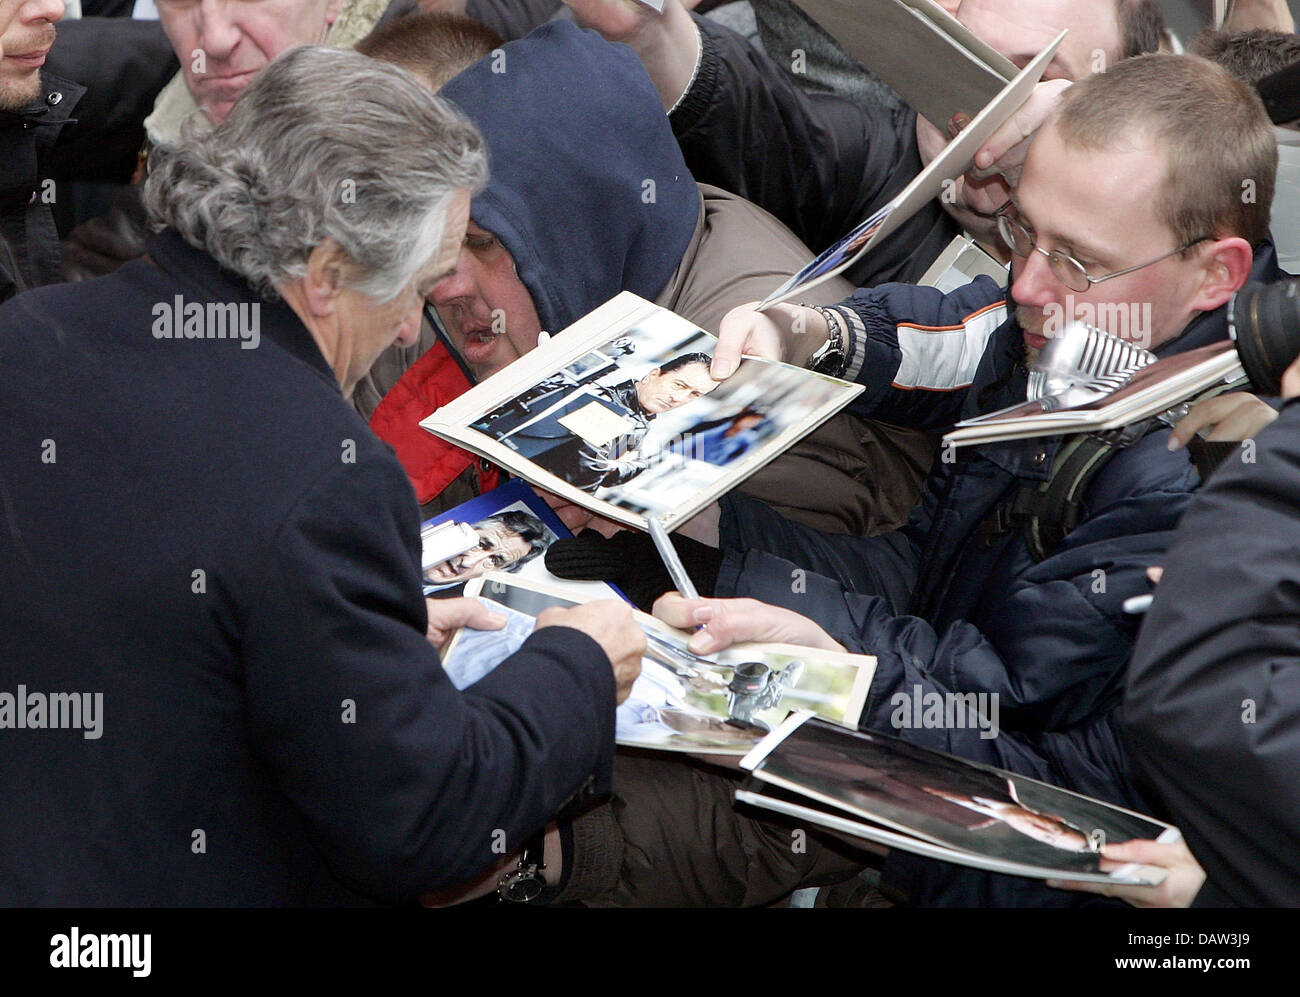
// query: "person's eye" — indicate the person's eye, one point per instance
point(480, 243)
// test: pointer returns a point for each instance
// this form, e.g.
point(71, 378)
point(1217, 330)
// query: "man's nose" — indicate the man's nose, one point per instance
point(409, 331)
point(38, 11)
point(219, 31)
point(1035, 285)
point(458, 284)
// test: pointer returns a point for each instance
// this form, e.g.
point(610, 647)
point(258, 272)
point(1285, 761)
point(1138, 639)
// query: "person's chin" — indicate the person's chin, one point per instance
point(216, 97)
point(20, 90)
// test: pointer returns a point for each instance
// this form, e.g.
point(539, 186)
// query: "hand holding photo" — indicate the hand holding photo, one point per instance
point(619, 414)
point(721, 704)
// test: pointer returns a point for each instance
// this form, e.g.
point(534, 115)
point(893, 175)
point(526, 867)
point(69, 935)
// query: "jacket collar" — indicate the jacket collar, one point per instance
point(52, 106)
point(199, 276)
point(626, 394)
point(28, 129)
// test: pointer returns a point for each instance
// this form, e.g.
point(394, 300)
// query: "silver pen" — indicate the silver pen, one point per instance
point(671, 561)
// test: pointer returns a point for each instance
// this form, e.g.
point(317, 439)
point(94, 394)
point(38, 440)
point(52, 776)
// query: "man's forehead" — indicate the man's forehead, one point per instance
point(1020, 29)
point(1089, 197)
point(696, 374)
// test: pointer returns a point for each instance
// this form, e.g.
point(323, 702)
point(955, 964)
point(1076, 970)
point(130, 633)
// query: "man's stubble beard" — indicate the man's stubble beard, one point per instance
point(15, 95)
point(1030, 320)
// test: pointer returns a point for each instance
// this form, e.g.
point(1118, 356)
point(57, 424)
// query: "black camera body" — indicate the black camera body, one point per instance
point(1264, 320)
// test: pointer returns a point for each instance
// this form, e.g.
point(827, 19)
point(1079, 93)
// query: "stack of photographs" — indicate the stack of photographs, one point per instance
point(891, 792)
point(720, 704)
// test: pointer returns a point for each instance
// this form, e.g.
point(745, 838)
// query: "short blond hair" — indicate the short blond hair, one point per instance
point(1220, 153)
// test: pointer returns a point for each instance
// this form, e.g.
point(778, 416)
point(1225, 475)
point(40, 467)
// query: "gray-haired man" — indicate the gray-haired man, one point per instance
point(273, 714)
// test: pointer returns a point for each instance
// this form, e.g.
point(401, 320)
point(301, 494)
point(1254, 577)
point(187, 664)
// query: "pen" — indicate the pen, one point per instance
point(1138, 604)
point(669, 554)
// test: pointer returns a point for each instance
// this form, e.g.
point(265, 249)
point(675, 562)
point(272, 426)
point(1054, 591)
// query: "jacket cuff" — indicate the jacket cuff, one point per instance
point(593, 855)
point(874, 348)
point(692, 105)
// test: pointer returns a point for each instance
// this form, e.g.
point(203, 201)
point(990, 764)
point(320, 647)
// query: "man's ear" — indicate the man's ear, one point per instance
point(332, 10)
point(1227, 268)
point(327, 266)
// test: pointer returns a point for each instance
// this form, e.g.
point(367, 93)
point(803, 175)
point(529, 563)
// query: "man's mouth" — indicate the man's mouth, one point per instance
point(480, 343)
point(32, 60)
point(450, 568)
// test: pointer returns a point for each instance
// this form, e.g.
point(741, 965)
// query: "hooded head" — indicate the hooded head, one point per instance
point(588, 192)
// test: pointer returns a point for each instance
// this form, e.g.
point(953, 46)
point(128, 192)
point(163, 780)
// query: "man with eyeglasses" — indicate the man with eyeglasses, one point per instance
point(1146, 194)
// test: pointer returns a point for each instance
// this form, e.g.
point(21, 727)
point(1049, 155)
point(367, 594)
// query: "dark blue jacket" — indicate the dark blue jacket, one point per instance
point(818, 162)
point(944, 609)
point(211, 538)
point(1212, 709)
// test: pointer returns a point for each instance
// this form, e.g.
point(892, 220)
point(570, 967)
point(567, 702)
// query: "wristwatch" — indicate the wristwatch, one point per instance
point(829, 358)
point(524, 883)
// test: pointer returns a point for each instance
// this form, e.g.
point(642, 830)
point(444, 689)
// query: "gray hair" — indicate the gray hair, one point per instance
point(323, 144)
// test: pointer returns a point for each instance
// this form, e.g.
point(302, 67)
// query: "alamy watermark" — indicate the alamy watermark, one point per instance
point(102, 951)
point(920, 710)
point(83, 711)
point(1127, 320)
point(181, 319)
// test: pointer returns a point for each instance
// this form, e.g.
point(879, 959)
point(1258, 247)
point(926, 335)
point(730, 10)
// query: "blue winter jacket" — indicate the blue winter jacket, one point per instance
point(946, 604)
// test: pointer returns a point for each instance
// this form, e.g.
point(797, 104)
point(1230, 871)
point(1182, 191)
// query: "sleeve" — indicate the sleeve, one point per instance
point(1212, 707)
point(1052, 639)
point(818, 162)
point(916, 349)
point(512, 19)
point(123, 64)
point(405, 783)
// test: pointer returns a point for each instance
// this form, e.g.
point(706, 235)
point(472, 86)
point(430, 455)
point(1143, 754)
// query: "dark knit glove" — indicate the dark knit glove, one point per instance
point(629, 560)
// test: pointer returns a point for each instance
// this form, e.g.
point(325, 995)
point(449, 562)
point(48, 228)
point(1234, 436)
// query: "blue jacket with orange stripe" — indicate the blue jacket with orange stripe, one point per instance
point(949, 605)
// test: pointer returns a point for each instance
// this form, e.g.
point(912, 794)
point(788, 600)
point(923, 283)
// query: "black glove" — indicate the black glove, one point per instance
point(630, 560)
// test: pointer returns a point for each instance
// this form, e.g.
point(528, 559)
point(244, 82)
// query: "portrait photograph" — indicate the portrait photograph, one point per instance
point(634, 425)
point(948, 800)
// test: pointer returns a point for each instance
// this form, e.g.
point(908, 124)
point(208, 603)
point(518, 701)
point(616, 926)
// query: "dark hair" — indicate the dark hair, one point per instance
point(1248, 55)
point(434, 46)
point(1141, 27)
point(670, 365)
point(527, 526)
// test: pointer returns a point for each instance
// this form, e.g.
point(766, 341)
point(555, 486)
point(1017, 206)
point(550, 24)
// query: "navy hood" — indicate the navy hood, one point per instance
point(588, 189)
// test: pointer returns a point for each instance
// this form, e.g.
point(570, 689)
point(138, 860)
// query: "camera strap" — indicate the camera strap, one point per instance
point(1047, 512)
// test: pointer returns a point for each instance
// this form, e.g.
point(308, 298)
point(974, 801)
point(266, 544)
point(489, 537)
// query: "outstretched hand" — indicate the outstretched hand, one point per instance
point(734, 621)
point(1238, 415)
point(668, 44)
point(790, 333)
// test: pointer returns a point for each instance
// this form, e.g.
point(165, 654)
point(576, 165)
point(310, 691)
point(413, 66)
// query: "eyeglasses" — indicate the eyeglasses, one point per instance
point(1069, 271)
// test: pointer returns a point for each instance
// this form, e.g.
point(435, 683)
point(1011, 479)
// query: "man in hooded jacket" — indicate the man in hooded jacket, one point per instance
point(589, 196)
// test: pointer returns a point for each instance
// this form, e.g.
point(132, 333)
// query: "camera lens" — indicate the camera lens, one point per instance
point(1265, 322)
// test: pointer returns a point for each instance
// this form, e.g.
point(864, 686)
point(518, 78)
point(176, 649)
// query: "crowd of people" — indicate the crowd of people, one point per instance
point(247, 248)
